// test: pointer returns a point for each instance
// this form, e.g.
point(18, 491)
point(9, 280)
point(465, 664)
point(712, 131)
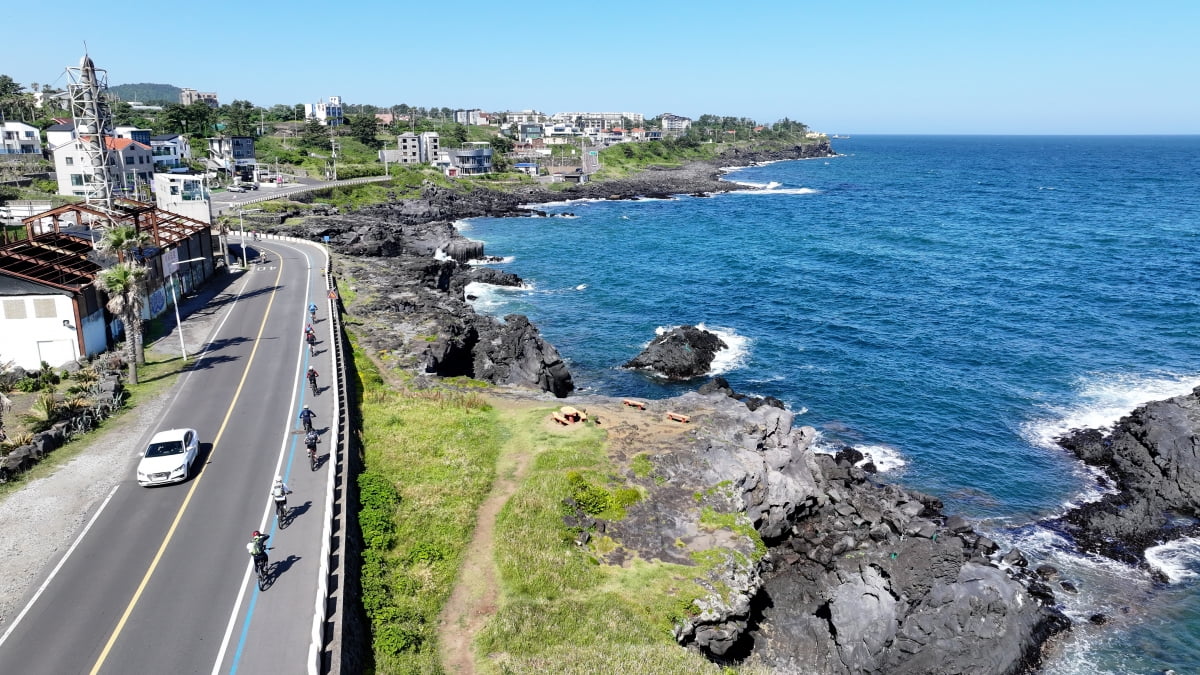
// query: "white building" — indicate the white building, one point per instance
point(472, 117)
point(413, 148)
point(525, 117)
point(674, 125)
point(50, 309)
point(134, 133)
point(183, 193)
point(170, 150)
point(59, 134)
point(132, 162)
point(328, 114)
point(600, 121)
point(18, 138)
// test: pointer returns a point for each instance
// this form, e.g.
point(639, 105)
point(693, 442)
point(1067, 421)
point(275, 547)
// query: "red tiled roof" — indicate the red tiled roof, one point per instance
point(122, 143)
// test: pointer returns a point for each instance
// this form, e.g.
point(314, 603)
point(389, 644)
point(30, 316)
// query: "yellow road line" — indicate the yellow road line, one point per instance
point(112, 639)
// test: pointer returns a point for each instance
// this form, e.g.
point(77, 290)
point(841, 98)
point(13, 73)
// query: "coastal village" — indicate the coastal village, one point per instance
point(173, 186)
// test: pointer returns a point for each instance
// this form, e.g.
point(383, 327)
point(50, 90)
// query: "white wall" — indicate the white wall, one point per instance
point(30, 340)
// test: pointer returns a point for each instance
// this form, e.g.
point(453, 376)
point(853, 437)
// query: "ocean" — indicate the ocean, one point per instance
point(946, 304)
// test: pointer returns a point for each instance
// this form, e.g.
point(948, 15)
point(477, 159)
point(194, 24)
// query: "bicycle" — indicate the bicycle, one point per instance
point(262, 569)
point(315, 390)
point(312, 345)
point(312, 315)
point(311, 442)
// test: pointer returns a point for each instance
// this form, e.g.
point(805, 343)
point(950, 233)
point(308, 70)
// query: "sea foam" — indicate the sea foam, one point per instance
point(490, 299)
point(1102, 401)
point(1179, 559)
point(886, 458)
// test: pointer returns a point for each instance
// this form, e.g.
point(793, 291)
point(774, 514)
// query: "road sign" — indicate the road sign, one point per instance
point(592, 153)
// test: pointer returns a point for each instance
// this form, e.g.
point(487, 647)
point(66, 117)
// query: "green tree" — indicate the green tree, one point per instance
point(239, 117)
point(501, 145)
point(201, 119)
point(9, 86)
point(281, 113)
point(124, 284)
point(172, 119)
point(456, 133)
point(365, 128)
point(315, 136)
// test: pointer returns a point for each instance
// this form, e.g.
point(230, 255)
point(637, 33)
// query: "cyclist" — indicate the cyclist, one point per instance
point(312, 311)
point(311, 338)
point(306, 417)
point(258, 549)
point(310, 442)
point(312, 378)
point(279, 492)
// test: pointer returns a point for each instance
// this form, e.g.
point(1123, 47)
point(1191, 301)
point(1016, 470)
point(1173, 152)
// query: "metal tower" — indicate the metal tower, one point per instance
point(88, 89)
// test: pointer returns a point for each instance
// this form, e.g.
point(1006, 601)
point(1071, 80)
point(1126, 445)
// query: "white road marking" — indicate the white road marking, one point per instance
point(54, 572)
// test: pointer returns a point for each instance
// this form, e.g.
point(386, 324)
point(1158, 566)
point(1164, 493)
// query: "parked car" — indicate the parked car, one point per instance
point(169, 457)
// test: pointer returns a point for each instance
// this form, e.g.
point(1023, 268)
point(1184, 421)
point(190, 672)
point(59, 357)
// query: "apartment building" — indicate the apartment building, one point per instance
point(18, 138)
point(190, 96)
point(132, 166)
point(328, 113)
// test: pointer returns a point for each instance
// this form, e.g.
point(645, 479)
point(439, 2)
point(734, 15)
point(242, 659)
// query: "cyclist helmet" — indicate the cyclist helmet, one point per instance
point(306, 406)
point(255, 533)
point(278, 479)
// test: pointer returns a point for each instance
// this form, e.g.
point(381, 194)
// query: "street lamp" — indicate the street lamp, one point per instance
point(242, 226)
point(175, 301)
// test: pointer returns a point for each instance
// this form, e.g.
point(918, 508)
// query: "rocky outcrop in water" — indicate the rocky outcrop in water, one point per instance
point(411, 307)
point(682, 353)
point(1153, 458)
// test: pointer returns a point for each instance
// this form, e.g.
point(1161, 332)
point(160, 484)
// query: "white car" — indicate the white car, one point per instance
point(169, 457)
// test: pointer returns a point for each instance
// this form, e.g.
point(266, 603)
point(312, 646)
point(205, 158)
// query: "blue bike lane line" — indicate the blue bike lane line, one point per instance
point(283, 468)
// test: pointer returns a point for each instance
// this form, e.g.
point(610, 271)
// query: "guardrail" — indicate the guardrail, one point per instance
point(325, 647)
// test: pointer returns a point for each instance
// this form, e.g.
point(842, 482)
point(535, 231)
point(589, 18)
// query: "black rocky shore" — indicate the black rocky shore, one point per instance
point(858, 576)
point(1152, 458)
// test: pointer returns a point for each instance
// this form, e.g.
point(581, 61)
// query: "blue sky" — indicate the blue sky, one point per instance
point(842, 67)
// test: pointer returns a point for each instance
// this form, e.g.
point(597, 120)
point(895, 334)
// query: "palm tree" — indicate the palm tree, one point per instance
point(123, 282)
point(121, 239)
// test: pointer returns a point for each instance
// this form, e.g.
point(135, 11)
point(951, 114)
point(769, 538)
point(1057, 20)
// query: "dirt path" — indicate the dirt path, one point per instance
point(473, 599)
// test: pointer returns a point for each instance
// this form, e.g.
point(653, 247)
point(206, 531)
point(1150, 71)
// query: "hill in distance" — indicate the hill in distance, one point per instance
point(147, 92)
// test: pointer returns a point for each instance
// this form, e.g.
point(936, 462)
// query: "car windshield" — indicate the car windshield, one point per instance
point(164, 449)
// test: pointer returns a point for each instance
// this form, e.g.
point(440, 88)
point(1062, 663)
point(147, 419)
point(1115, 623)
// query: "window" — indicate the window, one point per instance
point(14, 309)
point(70, 161)
point(28, 134)
point(43, 308)
point(76, 179)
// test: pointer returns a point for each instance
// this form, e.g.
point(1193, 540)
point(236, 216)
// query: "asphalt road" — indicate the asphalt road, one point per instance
point(160, 580)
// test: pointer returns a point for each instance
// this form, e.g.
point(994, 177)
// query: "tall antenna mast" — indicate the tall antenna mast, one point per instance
point(88, 88)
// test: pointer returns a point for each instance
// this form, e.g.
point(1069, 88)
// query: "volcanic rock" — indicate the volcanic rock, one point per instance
point(1153, 457)
point(681, 353)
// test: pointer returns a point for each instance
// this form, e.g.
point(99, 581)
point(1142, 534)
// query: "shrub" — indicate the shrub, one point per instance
point(592, 499)
point(42, 413)
point(28, 384)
